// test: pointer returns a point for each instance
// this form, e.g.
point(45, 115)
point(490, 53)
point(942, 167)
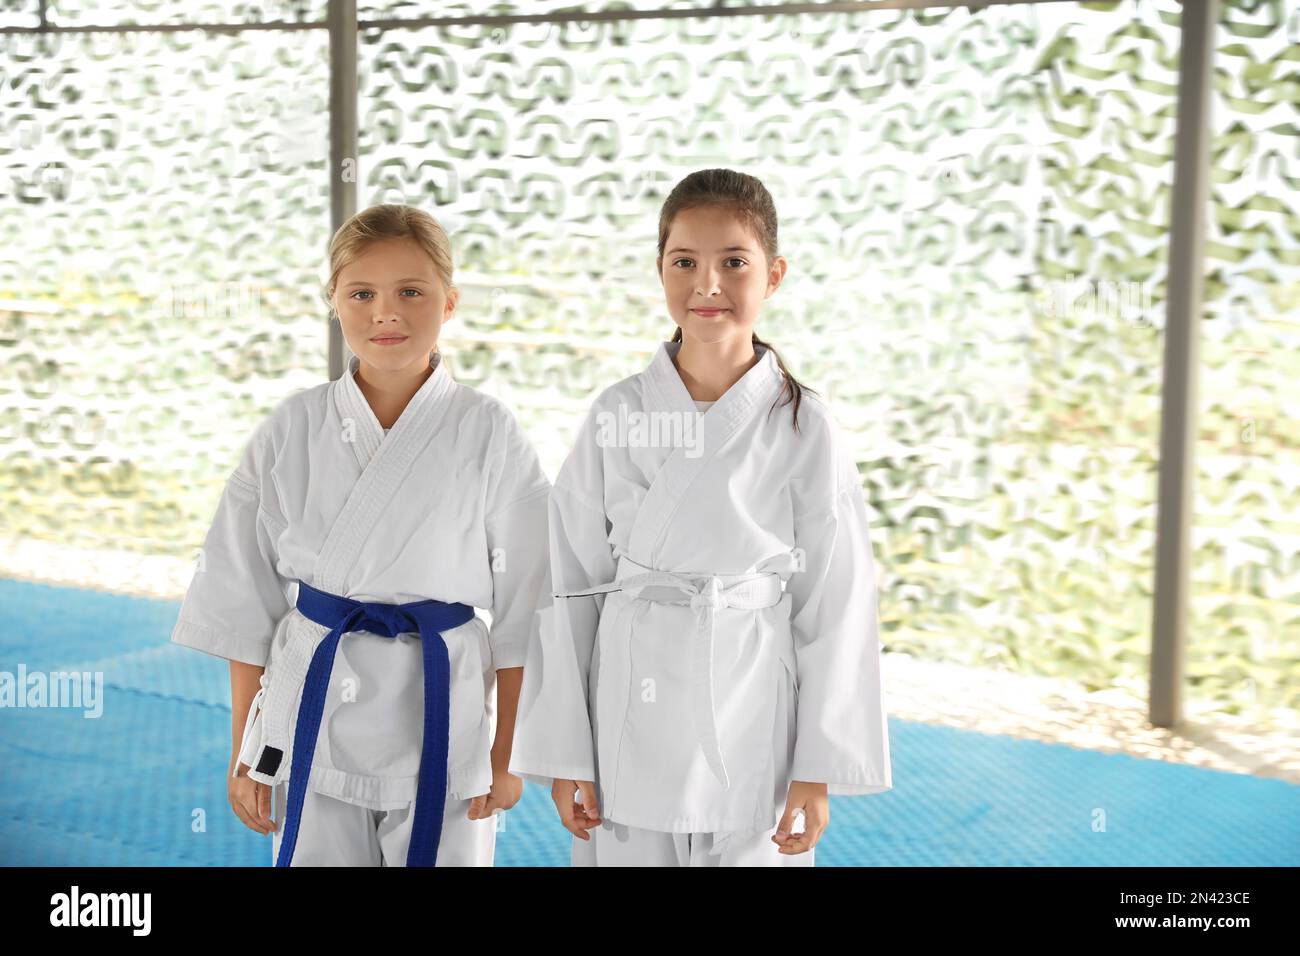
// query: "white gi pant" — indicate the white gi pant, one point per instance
point(613, 844)
point(333, 832)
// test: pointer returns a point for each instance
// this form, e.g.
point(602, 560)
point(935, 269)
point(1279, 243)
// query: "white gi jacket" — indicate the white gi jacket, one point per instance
point(449, 505)
point(683, 733)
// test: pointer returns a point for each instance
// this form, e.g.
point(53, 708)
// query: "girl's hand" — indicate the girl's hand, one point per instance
point(812, 800)
point(251, 801)
point(505, 793)
point(577, 817)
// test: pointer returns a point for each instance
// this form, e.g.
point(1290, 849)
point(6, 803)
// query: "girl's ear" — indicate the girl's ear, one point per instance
point(775, 274)
point(453, 299)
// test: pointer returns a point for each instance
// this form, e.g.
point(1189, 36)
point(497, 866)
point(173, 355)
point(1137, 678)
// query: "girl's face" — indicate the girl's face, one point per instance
point(392, 305)
point(715, 275)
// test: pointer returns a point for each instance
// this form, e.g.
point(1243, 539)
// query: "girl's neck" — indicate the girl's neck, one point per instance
point(709, 369)
point(388, 393)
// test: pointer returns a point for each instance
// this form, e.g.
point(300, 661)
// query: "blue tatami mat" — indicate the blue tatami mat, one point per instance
point(144, 783)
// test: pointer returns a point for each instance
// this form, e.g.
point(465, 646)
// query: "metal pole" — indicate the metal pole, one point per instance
point(1178, 395)
point(344, 159)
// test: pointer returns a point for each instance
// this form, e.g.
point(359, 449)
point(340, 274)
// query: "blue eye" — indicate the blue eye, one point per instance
point(678, 261)
point(737, 259)
point(368, 292)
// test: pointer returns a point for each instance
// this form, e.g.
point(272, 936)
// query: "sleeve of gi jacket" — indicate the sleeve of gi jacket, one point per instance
point(553, 738)
point(237, 597)
point(842, 735)
point(517, 549)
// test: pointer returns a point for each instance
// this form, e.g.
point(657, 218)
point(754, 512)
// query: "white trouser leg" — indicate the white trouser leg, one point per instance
point(613, 844)
point(330, 832)
point(333, 832)
point(755, 849)
point(464, 842)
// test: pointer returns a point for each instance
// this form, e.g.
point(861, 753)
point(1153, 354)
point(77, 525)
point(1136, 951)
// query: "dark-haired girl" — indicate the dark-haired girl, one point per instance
point(708, 670)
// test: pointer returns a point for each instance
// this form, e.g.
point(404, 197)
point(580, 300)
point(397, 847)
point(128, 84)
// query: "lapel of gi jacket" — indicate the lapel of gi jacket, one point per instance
point(384, 464)
point(664, 391)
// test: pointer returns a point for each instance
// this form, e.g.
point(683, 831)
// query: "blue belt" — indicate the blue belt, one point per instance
point(343, 615)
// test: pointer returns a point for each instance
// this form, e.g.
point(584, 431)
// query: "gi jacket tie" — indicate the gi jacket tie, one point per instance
point(706, 595)
point(342, 615)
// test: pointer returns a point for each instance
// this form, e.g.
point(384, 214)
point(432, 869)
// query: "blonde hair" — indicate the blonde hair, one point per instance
point(388, 221)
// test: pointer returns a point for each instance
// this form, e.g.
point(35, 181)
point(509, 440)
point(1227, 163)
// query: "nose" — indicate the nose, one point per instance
point(708, 281)
point(384, 308)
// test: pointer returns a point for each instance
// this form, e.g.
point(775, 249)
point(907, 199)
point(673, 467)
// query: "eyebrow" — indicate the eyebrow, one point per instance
point(728, 249)
point(398, 282)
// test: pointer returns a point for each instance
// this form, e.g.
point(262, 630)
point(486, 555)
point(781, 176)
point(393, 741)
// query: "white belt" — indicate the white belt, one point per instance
point(706, 594)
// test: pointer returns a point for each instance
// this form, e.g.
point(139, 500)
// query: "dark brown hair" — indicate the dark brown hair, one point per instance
point(749, 200)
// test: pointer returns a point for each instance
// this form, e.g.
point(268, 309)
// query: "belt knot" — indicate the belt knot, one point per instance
point(709, 596)
point(387, 620)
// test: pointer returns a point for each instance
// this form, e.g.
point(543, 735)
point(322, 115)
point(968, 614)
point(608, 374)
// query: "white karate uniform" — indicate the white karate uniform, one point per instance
point(449, 505)
point(693, 717)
